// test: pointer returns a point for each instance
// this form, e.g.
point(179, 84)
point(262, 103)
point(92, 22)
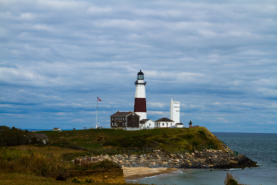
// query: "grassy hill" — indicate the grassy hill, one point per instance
point(28, 164)
point(113, 141)
point(25, 159)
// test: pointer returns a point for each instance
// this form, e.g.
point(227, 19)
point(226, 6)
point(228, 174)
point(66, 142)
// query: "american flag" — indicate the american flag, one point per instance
point(98, 99)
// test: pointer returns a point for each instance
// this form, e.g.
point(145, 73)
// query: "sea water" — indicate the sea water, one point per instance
point(258, 147)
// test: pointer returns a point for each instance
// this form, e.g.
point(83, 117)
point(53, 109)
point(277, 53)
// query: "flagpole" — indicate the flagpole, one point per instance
point(96, 113)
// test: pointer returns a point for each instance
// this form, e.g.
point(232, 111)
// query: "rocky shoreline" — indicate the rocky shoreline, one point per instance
point(208, 158)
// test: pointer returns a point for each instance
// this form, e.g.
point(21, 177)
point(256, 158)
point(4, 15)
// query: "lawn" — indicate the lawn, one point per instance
point(113, 141)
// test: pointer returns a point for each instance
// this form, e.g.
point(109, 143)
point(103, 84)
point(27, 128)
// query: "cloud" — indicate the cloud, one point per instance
point(27, 16)
point(156, 104)
point(159, 113)
point(217, 58)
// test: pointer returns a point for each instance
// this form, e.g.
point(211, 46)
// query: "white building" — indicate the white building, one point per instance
point(140, 107)
point(175, 111)
point(57, 129)
point(146, 124)
point(164, 123)
point(179, 125)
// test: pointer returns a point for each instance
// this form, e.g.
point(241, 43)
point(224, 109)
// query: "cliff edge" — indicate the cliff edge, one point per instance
point(193, 147)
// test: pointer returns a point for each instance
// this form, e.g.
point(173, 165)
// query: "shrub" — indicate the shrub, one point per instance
point(14, 136)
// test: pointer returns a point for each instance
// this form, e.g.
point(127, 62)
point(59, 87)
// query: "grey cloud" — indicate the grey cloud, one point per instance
point(68, 52)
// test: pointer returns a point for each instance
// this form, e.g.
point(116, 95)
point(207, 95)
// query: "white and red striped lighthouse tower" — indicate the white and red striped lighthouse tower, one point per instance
point(140, 107)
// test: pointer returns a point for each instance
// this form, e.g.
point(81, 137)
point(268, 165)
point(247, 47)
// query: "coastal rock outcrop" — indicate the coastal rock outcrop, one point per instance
point(208, 158)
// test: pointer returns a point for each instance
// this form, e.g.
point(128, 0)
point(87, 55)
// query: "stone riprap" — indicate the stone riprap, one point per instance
point(199, 159)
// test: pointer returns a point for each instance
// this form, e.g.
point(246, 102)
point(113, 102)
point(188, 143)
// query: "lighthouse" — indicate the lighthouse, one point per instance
point(140, 107)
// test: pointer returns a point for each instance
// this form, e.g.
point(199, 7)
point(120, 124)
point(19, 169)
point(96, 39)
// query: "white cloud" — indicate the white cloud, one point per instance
point(43, 27)
point(156, 104)
point(27, 16)
point(160, 113)
point(99, 10)
point(177, 76)
point(61, 4)
point(64, 53)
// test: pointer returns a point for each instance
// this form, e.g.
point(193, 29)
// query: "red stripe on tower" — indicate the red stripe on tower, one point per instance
point(140, 105)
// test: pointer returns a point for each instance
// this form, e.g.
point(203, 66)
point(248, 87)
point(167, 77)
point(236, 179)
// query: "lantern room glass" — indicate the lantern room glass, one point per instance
point(140, 77)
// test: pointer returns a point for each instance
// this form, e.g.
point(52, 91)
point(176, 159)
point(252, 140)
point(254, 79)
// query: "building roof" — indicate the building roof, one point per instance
point(179, 123)
point(164, 120)
point(140, 72)
point(144, 121)
point(121, 113)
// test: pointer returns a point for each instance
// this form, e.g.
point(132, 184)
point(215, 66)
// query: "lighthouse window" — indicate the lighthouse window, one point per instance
point(140, 77)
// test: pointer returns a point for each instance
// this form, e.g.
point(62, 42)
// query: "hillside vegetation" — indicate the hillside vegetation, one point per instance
point(26, 158)
point(47, 157)
point(13, 136)
point(46, 165)
point(111, 141)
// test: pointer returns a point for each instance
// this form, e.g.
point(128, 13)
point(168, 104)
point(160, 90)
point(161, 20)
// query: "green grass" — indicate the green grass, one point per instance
point(29, 179)
point(47, 164)
point(112, 141)
point(29, 164)
point(48, 161)
point(42, 161)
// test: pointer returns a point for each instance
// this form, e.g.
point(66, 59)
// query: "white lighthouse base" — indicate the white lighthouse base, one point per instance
point(143, 115)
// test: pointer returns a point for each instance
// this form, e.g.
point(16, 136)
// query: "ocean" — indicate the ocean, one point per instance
point(259, 147)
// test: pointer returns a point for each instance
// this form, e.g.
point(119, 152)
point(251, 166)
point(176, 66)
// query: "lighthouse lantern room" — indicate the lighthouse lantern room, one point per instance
point(140, 107)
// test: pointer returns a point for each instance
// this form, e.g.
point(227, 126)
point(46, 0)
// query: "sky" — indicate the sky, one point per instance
point(218, 58)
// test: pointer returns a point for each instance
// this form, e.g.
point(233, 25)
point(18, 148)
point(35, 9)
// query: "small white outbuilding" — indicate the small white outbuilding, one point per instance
point(164, 123)
point(146, 124)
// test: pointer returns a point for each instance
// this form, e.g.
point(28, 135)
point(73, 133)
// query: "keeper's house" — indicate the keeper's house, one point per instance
point(125, 120)
point(164, 123)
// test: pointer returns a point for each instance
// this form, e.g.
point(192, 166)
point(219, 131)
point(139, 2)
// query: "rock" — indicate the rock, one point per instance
point(233, 162)
point(246, 162)
point(199, 159)
point(229, 180)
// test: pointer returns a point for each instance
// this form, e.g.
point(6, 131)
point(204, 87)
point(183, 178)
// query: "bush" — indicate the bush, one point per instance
point(14, 136)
